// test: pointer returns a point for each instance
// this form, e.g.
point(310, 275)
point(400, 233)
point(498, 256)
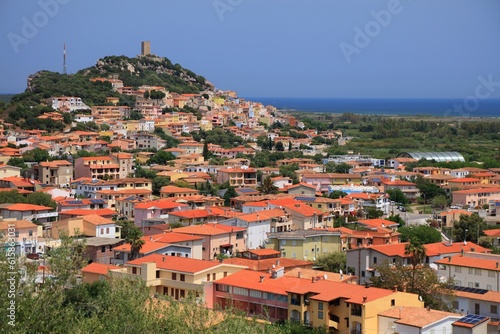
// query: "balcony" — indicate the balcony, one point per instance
point(356, 312)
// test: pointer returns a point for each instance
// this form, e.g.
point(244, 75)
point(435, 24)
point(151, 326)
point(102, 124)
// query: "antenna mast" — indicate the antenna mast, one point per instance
point(64, 59)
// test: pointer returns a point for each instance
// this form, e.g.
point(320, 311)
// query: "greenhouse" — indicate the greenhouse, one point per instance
point(437, 156)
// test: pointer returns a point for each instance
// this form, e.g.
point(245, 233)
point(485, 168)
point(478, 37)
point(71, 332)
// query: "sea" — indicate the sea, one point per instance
point(443, 107)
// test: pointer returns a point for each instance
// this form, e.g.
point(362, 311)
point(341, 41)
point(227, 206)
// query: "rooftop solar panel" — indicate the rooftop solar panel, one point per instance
point(471, 290)
point(473, 319)
point(305, 199)
point(246, 190)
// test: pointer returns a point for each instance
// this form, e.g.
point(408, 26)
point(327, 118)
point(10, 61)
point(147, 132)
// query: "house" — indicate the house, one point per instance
point(305, 244)
point(238, 177)
point(27, 212)
point(57, 172)
point(104, 213)
point(478, 302)
point(317, 301)
point(367, 200)
point(494, 234)
point(217, 238)
point(91, 225)
point(475, 197)
point(321, 181)
point(159, 209)
point(408, 188)
point(448, 218)
point(167, 243)
point(264, 260)
point(472, 269)
point(146, 141)
point(22, 235)
point(100, 249)
point(8, 171)
point(474, 324)
point(95, 272)
point(364, 259)
point(416, 320)
point(302, 188)
point(19, 183)
point(177, 277)
point(196, 216)
point(174, 191)
point(351, 239)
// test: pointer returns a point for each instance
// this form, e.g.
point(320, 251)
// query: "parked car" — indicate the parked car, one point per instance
point(402, 209)
point(33, 256)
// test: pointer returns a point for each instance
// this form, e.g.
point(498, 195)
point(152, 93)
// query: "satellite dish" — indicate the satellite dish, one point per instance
point(325, 276)
point(340, 271)
point(420, 298)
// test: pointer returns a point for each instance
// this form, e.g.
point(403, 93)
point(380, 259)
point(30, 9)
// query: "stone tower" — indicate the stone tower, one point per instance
point(145, 48)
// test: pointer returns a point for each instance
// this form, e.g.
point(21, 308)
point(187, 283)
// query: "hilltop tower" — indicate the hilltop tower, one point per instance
point(64, 59)
point(145, 48)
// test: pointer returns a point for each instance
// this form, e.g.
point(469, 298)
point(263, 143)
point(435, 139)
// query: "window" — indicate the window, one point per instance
point(134, 270)
point(30, 233)
point(477, 309)
point(491, 273)
point(107, 230)
point(294, 255)
point(214, 276)
point(375, 260)
point(174, 276)
point(183, 293)
point(240, 291)
point(320, 314)
point(458, 269)
point(477, 272)
point(255, 294)
point(157, 274)
point(493, 309)
point(320, 306)
point(283, 242)
point(469, 284)
point(17, 234)
point(363, 273)
point(208, 277)
point(476, 285)
point(225, 274)
point(103, 249)
point(223, 288)
point(471, 271)
point(455, 305)
point(294, 242)
point(393, 302)
point(488, 287)
point(183, 277)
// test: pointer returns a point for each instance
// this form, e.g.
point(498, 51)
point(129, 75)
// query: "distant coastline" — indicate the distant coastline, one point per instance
point(488, 108)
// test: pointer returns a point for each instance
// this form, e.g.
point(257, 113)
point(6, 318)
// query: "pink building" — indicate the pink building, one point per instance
point(217, 238)
point(159, 209)
point(475, 197)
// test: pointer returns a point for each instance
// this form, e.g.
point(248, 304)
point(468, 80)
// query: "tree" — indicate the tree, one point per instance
point(333, 262)
point(423, 281)
point(230, 193)
point(397, 219)
point(161, 158)
point(289, 145)
point(128, 229)
point(158, 183)
point(17, 162)
point(372, 212)
point(416, 250)
point(469, 227)
point(337, 194)
point(206, 153)
point(397, 195)
point(280, 147)
point(267, 186)
point(342, 168)
point(439, 202)
point(36, 155)
point(40, 198)
point(425, 234)
point(135, 242)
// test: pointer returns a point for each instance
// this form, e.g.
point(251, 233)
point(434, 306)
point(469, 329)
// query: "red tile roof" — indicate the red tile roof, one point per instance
point(160, 204)
point(84, 212)
point(98, 268)
point(472, 262)
point(175, 263)
point(27, 207)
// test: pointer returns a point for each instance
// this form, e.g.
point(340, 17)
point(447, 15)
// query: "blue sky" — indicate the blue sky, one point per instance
point(269, 48)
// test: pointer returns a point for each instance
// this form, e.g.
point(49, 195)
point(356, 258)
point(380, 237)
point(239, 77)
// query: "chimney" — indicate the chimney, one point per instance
point(449, 258)
point(395, 288)
point(428, 308)
point(300, 272)
point(497, 265)
point(261, 279)
point(313, 279)
point(268, 270)
point(364, 299)
point(163, 259)
point(277, 263)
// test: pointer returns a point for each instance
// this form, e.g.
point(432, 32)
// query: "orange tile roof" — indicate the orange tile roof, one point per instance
point(97, 220)
point(438, 248)
point(147, 247)
point(472, 262)
point(174, 189)
point(490, 296)
point(478, 190)
point(160, 204)
point(378, 222)
point(85, 212)
point(492, 233)
point(455, 212)
point(304, 209)
point(19, 224)
point(263, 252)
point(204, 229)
point(27, 207)
point(176, 263)
point(416, 316)
point(171, 237)
point(98, 268)
point(464, 179)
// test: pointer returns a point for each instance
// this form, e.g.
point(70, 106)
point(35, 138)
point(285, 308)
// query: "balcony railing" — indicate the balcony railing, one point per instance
point(356, 312)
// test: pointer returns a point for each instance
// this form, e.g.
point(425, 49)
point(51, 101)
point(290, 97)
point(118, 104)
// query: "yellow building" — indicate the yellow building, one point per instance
point(344, 307)
point(177, 276)
point(305, 244)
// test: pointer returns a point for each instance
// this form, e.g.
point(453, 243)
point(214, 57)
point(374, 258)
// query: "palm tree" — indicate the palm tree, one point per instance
point(416, 250)
point(135, 242)
point(267, 186)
